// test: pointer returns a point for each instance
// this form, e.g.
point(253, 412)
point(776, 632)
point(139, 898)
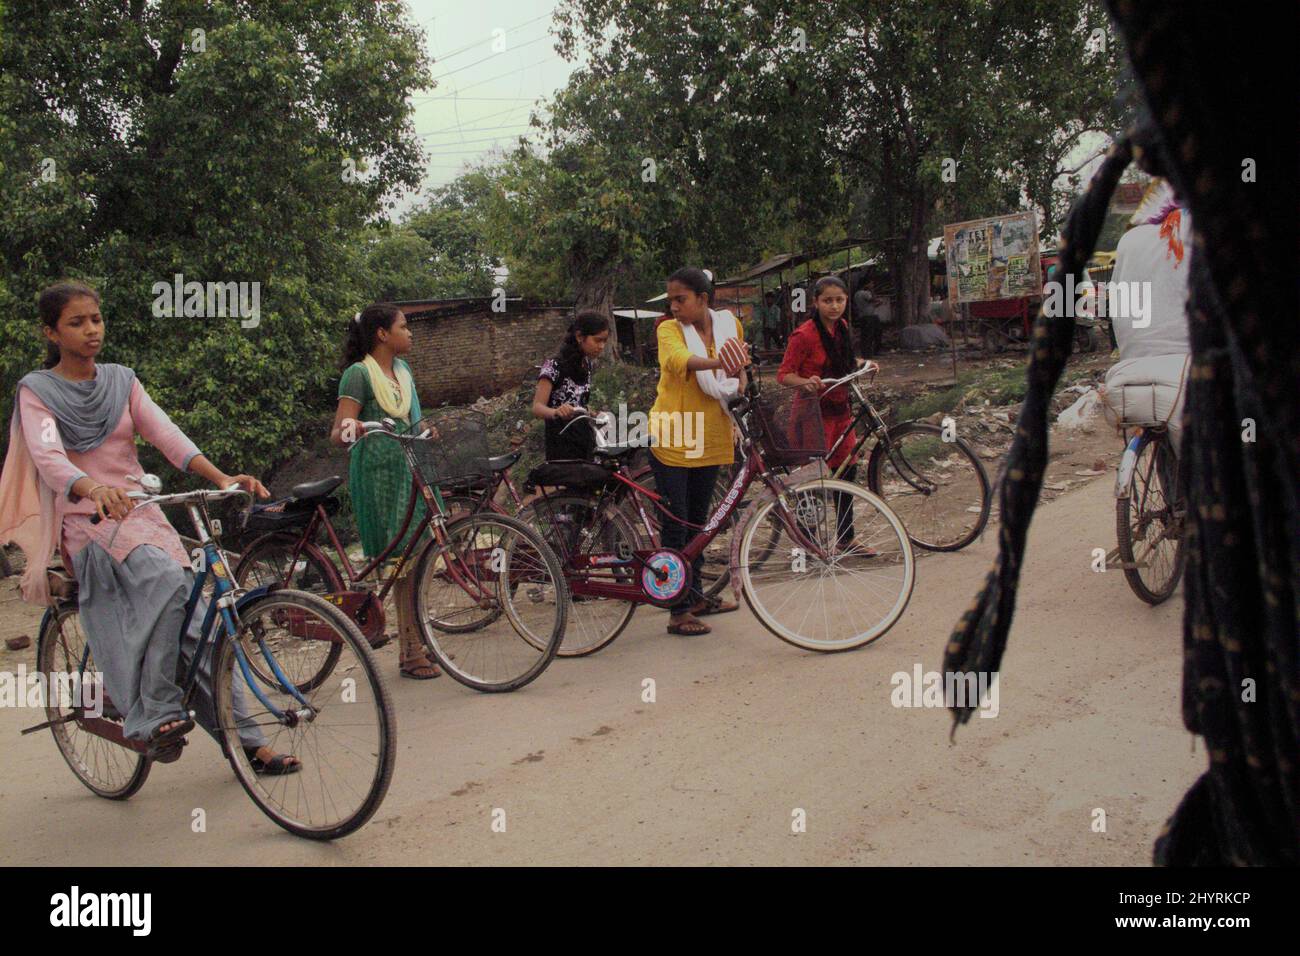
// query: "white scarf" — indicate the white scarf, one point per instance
point(713, 382)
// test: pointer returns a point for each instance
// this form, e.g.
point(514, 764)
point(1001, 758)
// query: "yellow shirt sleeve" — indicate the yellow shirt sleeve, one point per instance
point(673, 353)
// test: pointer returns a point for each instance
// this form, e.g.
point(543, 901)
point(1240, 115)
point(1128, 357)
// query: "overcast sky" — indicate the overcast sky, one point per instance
point(481, 99)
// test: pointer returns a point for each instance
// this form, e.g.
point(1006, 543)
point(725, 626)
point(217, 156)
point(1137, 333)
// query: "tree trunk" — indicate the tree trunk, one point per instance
point(597, 294)
point(913, 292)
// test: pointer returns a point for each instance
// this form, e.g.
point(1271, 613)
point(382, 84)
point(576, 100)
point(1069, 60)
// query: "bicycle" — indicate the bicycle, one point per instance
point(932, 479)
point(344, 729)
point(1149, 519)
point(785, 537)
point(468, 575)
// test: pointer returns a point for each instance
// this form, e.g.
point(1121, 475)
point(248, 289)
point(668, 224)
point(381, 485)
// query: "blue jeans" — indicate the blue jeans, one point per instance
point(687, 492)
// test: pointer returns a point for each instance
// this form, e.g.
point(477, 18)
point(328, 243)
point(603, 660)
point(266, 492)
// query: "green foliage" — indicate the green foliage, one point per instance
point(789, 124)
point(222, 156)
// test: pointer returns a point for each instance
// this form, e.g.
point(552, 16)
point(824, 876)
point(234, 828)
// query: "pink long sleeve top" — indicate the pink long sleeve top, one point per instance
point(108, 464)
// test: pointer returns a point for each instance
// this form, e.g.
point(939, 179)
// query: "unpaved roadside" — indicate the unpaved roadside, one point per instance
point(744, 730)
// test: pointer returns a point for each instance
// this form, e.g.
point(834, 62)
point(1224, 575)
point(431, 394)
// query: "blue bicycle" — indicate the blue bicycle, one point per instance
point(340, 726)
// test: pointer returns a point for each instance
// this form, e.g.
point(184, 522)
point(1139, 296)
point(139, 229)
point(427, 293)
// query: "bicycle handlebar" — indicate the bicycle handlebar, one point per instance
point(385, 427)
point(869, 366)
point(146, 499)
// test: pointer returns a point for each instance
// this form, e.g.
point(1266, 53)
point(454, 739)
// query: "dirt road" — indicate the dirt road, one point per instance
point(744, 731)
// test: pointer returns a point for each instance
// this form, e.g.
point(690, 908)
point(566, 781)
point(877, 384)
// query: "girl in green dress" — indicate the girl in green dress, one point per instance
point(377, 384)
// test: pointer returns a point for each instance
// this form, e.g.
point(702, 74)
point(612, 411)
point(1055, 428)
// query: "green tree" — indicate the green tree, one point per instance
point(143, 140)
point(788, 116)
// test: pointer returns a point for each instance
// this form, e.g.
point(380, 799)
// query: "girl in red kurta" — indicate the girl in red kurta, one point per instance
point(822, 347)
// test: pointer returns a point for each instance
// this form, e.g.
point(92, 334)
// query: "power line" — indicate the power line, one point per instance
point(495, 53)
point(490, 79)
point(474, 129)
point(464, 49)
point(462, 152)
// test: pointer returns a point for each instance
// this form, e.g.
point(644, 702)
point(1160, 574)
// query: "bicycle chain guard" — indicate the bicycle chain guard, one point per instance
point(665, 576)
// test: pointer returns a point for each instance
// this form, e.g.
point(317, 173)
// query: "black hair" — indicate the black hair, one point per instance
point(359, 341)
point(694, 279)
point(50, 305)
point(569, 359)
point(839, 348)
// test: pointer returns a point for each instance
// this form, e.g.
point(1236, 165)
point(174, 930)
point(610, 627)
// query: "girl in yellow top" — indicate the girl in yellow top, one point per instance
point(692, 430)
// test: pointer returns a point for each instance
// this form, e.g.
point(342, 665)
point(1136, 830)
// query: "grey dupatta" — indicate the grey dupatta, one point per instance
point(86, 412)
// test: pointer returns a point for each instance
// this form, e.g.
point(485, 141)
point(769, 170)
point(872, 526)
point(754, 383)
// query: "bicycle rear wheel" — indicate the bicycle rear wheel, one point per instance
point(844, 599)
point(499, 578)
point(105, 768)
point(343, 729)
point(1149, 526)
point(574, 530)
point(939, 489)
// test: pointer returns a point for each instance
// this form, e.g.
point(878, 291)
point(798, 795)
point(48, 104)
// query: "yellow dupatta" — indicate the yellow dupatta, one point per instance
point(396, 405)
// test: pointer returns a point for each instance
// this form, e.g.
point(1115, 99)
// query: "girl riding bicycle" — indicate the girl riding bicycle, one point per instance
point(72, 456)
point(377, 384)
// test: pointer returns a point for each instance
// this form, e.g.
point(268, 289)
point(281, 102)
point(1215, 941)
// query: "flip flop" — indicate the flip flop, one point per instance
point(277, 766)
point(690, 629)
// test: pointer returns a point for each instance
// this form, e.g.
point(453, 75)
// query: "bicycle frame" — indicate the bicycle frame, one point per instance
point(435, 518)
point(753, 469)
point(227, 601)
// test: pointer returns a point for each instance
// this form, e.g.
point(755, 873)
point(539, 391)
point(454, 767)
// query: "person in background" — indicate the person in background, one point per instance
point(771, 321)
point(564, 387)
point(867, 318)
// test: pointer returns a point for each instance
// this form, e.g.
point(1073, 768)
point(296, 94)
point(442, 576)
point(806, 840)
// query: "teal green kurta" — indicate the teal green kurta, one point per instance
point(378, 478)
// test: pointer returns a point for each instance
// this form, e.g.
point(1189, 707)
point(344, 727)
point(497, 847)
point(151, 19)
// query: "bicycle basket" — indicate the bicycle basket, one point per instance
point(790, 431)
point(457, 451)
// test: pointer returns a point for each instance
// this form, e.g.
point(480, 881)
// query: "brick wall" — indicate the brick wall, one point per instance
point(463, 349)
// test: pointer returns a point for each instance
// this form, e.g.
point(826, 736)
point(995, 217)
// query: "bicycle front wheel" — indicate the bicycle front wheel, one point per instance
point(840, 572)
point(342, 729)
point(937, 486)
point(499, 579)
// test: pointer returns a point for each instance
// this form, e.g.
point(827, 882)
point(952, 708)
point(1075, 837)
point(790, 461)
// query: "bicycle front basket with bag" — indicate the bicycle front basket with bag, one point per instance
point(790, 427)
point(457, 452)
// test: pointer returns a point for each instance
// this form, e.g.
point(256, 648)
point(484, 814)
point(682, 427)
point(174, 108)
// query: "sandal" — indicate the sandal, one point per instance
point(419, 667)
point(691, 628)
point(165, 745)
point(277, 766)
point(714, 605)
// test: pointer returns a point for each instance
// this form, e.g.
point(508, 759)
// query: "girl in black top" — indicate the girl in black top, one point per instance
point(564, 385)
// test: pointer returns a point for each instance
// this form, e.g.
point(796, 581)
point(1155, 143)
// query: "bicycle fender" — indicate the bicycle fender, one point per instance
point(814, 469)
point(251, 596)
point(1126, 465)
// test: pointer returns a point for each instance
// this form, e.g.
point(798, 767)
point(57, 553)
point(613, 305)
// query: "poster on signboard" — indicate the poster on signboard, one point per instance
point(994, 258)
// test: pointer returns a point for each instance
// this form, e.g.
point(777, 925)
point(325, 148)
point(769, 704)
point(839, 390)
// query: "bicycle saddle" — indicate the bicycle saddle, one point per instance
point(502, 462)
point(310, 490)
point(617, 451)
point(569, 474)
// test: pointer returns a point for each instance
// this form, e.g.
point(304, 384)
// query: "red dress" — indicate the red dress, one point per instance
point(805, 357)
